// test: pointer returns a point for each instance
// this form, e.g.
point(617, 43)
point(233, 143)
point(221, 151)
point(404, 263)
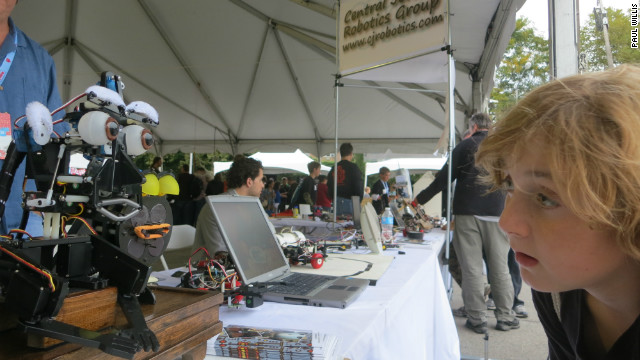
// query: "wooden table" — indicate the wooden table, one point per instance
point(182, 320)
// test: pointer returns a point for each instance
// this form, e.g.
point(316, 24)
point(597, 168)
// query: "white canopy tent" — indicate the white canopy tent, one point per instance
point(249, 75)
point(276, 163)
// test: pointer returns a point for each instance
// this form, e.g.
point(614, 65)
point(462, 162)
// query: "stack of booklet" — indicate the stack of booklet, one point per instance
point(246, 342)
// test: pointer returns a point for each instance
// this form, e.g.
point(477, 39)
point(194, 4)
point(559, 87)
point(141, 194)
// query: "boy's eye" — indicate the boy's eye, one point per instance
point(546, 201)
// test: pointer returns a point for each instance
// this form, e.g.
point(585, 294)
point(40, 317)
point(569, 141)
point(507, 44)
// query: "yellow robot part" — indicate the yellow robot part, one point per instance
point(151, 186)
point(168, 185)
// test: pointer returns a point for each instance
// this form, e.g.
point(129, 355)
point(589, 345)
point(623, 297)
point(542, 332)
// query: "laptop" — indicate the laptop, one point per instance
point(258, 257)
point(355, 203)
point(396, 213)
point(371, 229)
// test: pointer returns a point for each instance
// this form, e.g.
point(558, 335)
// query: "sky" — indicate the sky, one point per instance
point(537, 11)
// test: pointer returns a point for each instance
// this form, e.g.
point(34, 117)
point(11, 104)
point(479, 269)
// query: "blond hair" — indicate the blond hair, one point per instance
point(590, 127)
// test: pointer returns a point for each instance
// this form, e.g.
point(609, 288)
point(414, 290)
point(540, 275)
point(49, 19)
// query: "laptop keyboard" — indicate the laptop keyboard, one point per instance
point(300, 284)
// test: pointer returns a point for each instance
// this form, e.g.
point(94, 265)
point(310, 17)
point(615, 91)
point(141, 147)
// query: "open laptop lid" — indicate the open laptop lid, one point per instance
point(245, 229)
point(371, 228)
point(355, 203)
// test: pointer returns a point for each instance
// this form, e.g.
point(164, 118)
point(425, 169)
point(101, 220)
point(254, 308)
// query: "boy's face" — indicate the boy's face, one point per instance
point(556, 250)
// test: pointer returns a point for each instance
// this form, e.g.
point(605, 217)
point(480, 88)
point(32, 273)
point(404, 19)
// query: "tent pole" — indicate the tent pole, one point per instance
point(452, 140)
point(336, 85)
point(335, 162)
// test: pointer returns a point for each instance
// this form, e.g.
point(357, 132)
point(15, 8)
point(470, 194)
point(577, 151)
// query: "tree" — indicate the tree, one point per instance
point(172, 162)
point(525, 65)
point(592, 41)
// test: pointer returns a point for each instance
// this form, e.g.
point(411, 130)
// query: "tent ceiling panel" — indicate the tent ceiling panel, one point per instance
point(465, 20)
point(217, 71)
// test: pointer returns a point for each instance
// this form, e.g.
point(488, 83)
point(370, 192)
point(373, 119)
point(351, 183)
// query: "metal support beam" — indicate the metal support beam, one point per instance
point(54, 46)
point(441, 99)
point(253, 81)
point(410, 107)
point(563, 38)
point(69, 33)
point(329, 12)
point(288, 29)
point(183, 63)
point(83, 48)
point(500, 19)
point(294, 78)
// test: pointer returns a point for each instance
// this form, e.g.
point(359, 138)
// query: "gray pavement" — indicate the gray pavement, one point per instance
point(529, 342)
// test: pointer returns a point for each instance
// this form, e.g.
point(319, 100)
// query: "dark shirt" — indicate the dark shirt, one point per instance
point(379, 189)
point(190, 186)
point(350, 181)
point(471, 197)
point(214, 187)
point(307, 192)
point(566, 338)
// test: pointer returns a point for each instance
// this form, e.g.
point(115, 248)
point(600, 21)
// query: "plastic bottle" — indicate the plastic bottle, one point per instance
point(387, 226)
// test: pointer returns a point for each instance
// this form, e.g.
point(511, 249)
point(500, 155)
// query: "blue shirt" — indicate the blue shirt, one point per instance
point(32, 77)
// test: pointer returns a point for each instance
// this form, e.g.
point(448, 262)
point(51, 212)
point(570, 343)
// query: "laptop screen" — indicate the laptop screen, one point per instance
point(245, 229)
point(355, 201)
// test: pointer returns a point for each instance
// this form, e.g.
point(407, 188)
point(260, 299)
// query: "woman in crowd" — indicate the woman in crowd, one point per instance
point(568, 156)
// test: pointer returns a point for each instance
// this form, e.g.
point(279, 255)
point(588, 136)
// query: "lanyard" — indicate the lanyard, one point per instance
point(8, 60)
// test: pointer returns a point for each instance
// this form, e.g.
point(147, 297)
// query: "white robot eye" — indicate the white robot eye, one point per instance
point(138, 139)
point(97, 128)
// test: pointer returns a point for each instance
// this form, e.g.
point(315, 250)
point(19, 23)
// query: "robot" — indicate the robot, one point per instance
point(102, 228)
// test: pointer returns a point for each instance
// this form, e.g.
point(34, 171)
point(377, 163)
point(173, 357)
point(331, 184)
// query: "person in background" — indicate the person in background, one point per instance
point(293, 185)
point(200, 174)
point(322, 196)
point(367, 193)
point(476, 231)
point(278, 197)
point(215, 186)
point(567, 156)
point(309, 187)
point(380, 190)
point(268, 196)
point(156, 165)
point(349, 182)
point(27, 74)
point(184, 207)
point(284, 194)
point(244, 179)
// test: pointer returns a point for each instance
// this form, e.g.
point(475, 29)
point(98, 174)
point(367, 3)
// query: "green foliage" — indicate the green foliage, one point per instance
point(172, 162)
point(143, 162)
point(358, 159)
point(525, 65)
point(592, 41)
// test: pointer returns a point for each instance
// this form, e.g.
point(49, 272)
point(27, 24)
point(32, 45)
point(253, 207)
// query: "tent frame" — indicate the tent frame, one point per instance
point(451, 127)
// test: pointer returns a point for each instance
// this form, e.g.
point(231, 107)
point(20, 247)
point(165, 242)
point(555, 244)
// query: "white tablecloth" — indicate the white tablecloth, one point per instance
point(405, 316)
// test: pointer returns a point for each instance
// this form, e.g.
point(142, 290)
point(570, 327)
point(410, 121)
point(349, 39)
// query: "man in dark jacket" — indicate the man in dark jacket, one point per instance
point(184, 206)
point(476, 230)
point(350, 181)
point(380, 190)
point(309, 187)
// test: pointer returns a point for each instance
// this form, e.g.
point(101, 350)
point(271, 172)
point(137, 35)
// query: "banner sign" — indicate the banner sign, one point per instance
point(374, 32)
